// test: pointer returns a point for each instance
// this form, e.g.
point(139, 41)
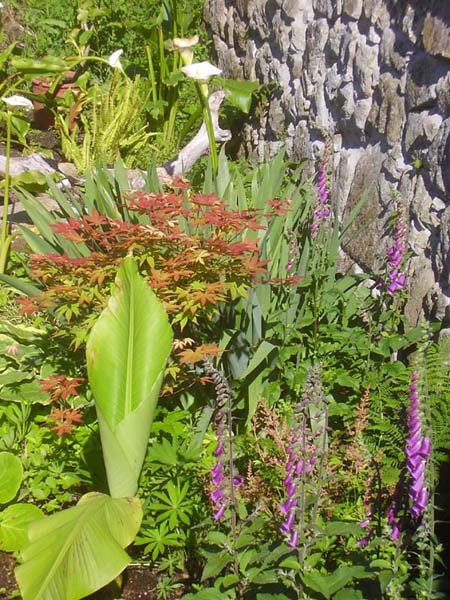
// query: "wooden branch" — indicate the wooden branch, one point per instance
point(182, 162)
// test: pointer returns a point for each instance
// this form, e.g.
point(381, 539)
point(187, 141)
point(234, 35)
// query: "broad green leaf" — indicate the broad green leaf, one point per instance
point(14, 523)
point(48, 65)
point(29, 392)
point(342, 528)
point(11, 473)
point(206, 594)
point(32, 181)
point(75, 552)
point(127, 350)
point(275, 596)
point(328, 585)
point(4, 56)
point(348, 594)
point(21, 332)
point(215, 563)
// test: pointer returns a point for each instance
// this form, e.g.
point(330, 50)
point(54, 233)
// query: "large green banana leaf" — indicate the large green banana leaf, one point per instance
point(127, 350)
point(75, 552)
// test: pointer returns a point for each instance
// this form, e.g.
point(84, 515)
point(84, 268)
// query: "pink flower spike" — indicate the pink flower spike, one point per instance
point(219, 514)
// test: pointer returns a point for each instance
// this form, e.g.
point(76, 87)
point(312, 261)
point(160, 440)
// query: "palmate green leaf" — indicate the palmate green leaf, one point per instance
point(127, 350)
point(79, 550)
point(11, 472)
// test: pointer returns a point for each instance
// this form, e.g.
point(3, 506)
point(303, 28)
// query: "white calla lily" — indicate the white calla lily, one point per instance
point(201, 71)
point(182, 43)
point(17, 101)
point(184, 47)
point(114, 59)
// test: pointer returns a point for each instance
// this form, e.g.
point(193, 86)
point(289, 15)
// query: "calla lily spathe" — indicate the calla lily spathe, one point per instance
point(184, 47)
point(114, 59)
point(19, 102)
point(201, 72)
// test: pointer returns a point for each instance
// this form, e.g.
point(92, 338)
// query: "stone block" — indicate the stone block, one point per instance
point(443, 255)
point(420, 280)
point(366, 72)
point(391, 113)
point(353, 8)
point(443, 96)
point(421, 129)
point(422, 205)
point(423, 75)
point(436, 31)
point(438, 159)
point(363, 242)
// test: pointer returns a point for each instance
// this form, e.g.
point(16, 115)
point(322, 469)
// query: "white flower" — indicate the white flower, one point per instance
point(201, 71)
point(1, 4)
point(114, 59)
point(184, 47)
point(182, 43)
point(18, 102)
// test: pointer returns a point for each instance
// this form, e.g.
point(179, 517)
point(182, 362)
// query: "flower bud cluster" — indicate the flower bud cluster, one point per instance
point(418, 449)
point(395, 255)
point(321, 206)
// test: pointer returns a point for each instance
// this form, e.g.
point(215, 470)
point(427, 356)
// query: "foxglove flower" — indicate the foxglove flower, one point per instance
point(224, 478)
point(321, 207)
point(304, 449)
point(418, 449)
point(366, 526)
point(393, 510)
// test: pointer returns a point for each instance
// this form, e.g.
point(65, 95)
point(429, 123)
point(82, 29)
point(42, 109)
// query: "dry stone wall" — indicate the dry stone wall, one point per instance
point(374, 75)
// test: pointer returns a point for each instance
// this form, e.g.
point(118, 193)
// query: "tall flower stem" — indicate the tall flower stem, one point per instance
point(224, 428)
point(5, 240)
point(203, 95)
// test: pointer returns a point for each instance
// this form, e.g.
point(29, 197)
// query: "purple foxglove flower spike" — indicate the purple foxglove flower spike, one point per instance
point(396, 279)
point(224, 477)
point(418, 449)
point(321, 208)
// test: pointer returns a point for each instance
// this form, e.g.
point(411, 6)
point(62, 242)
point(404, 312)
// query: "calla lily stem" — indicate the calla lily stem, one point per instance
point(5, 240)
point(209, 127)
